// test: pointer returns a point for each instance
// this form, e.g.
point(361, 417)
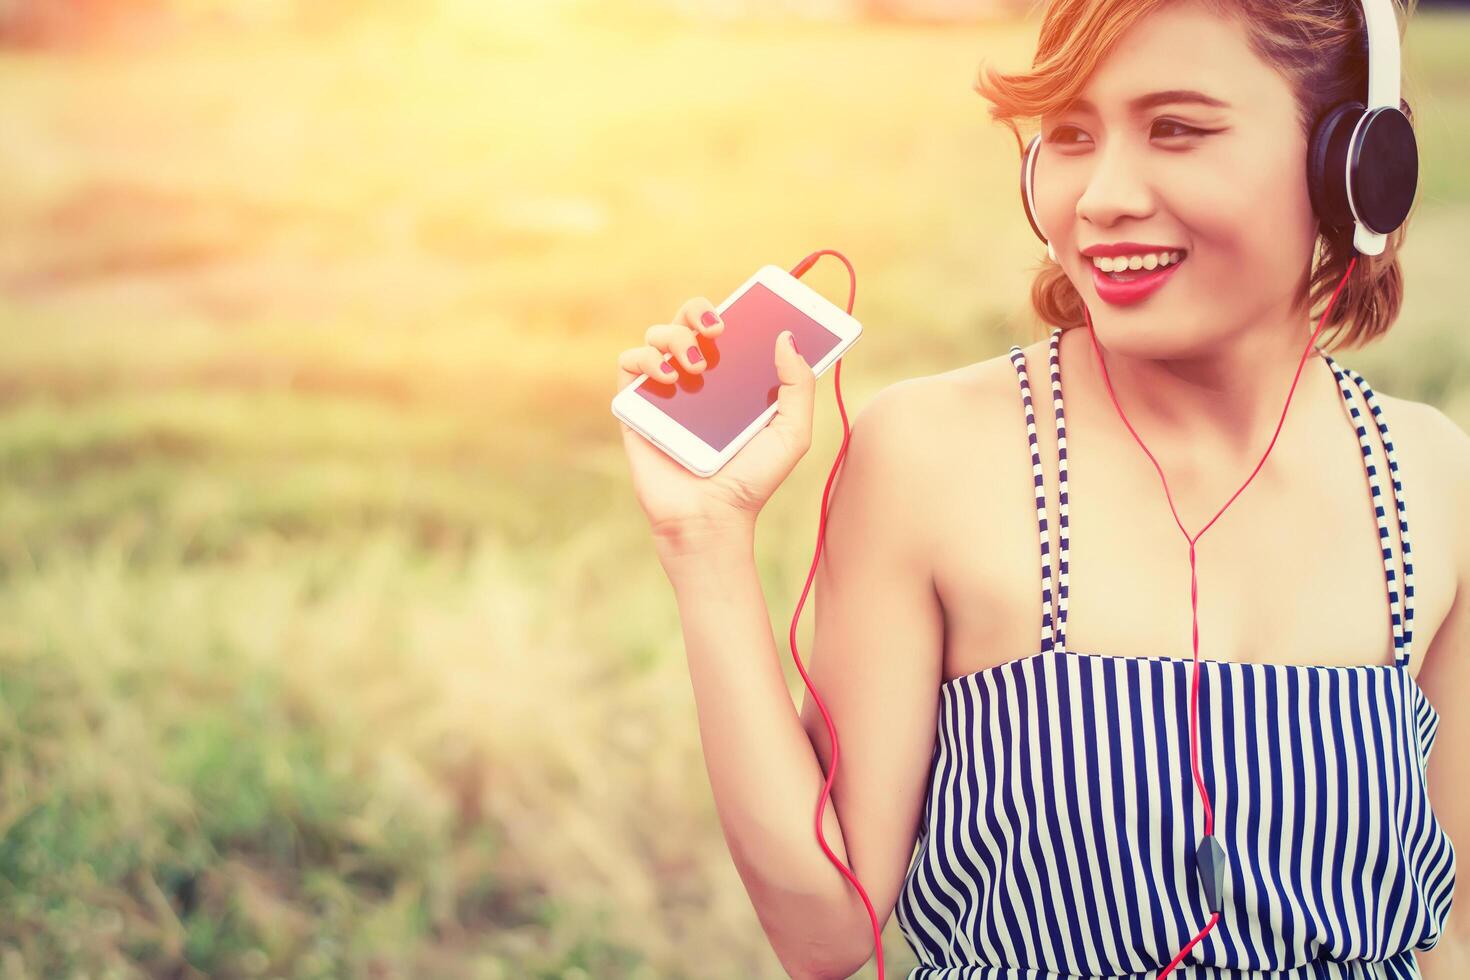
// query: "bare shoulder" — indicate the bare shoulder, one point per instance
point(925, 417)
point(1436, 450)
point(916, 442)
point(1441, 448)
point(989, 385)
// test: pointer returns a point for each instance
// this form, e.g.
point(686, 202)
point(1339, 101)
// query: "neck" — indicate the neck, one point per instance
point(1223, 403)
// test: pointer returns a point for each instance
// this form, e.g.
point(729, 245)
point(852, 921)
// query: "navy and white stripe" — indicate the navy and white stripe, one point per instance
point(1061, 819)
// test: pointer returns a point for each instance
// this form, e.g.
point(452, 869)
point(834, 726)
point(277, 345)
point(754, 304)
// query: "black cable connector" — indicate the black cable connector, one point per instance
point(1209, 864)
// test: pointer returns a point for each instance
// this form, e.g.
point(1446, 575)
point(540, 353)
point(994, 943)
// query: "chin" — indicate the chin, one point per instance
point(1139, 333)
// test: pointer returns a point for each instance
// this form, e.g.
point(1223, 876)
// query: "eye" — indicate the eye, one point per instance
point(1054, 137)
point(1183, 129)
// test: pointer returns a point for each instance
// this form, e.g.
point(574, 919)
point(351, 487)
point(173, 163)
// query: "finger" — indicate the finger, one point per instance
point(795, 397)
point(700, 314)
point(636, 361)
point(679, 340)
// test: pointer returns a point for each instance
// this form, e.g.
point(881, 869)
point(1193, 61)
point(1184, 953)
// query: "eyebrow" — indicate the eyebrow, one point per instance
point(1173, 96)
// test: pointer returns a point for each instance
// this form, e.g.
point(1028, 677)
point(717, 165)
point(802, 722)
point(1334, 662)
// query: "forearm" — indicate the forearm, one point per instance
point(763, 770)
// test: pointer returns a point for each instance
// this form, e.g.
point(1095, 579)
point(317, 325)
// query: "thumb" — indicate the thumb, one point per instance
point(798, 387)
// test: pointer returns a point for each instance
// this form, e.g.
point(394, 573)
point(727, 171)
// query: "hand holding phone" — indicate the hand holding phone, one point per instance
point(678, 501)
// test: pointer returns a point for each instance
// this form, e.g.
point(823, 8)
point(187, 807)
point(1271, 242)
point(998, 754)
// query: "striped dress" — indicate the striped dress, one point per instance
point(1060, 825)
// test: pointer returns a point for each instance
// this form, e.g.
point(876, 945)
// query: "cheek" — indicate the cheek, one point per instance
point(1257, 228)
point(1257, 213)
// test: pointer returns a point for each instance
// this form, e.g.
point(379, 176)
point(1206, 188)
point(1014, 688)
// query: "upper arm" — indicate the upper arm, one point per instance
point(1445, 676)
point(877, 650)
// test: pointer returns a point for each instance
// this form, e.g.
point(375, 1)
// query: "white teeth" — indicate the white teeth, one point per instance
point(1128, 262)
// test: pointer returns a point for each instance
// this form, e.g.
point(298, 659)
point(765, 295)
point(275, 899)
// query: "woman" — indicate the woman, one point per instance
point(1050, 793)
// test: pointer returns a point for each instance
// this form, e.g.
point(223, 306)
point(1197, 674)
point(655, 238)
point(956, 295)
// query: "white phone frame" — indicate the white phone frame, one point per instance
point(689, 450)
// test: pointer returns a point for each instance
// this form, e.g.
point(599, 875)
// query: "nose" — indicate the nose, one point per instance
point(1117, 187)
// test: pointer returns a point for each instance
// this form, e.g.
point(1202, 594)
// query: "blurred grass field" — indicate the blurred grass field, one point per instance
point(332, 642)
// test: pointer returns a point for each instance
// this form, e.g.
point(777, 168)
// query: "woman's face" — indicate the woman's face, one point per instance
point(1225, 184)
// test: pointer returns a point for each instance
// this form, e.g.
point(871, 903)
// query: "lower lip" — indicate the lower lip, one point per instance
point(1135, 290)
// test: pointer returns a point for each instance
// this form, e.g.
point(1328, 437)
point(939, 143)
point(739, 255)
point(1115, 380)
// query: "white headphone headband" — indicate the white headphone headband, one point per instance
point(1383, 53)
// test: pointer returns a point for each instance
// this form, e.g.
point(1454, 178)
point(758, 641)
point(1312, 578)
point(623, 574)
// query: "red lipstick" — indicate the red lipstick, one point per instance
point(1135, 290)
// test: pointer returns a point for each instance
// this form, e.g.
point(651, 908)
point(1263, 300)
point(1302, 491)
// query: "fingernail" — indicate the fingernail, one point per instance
point(694, 355)
point(709, 319)
point(792, 337)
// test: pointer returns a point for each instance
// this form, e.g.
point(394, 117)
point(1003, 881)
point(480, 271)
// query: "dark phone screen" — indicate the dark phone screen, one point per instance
point(739, 379)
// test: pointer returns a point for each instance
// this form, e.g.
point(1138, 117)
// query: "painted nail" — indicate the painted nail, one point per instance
point(709, 319)
point(694, 355)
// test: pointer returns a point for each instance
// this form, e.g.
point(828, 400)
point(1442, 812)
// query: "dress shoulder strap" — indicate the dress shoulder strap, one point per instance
point(1053, 602)
point(1401, 607)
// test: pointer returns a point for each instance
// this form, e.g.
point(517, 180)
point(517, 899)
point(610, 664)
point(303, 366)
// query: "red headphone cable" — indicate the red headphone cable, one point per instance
point(1194, 583)
point(799, 271)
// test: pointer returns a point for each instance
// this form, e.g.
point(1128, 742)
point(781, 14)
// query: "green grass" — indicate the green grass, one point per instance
point(312, 665)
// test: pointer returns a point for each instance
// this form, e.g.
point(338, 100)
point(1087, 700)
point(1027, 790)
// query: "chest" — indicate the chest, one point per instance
point(1291, 572)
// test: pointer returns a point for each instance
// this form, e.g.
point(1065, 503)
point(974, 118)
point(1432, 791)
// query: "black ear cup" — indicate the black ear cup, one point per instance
point(1326, 154)
point(1385, 170)
point(1363, 165)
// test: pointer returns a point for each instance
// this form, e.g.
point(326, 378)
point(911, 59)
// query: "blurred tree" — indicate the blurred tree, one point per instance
point(942, 11)
point(60, 23)
point(56, 23)
point(39, 22)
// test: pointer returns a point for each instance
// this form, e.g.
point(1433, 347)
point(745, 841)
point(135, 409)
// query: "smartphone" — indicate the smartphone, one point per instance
point(702, 420)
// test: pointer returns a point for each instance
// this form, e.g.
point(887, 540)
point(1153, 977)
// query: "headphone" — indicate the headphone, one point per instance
point(1362, 161)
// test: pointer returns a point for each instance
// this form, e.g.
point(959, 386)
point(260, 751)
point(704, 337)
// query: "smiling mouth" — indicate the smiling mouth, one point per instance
point(1131, 275)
